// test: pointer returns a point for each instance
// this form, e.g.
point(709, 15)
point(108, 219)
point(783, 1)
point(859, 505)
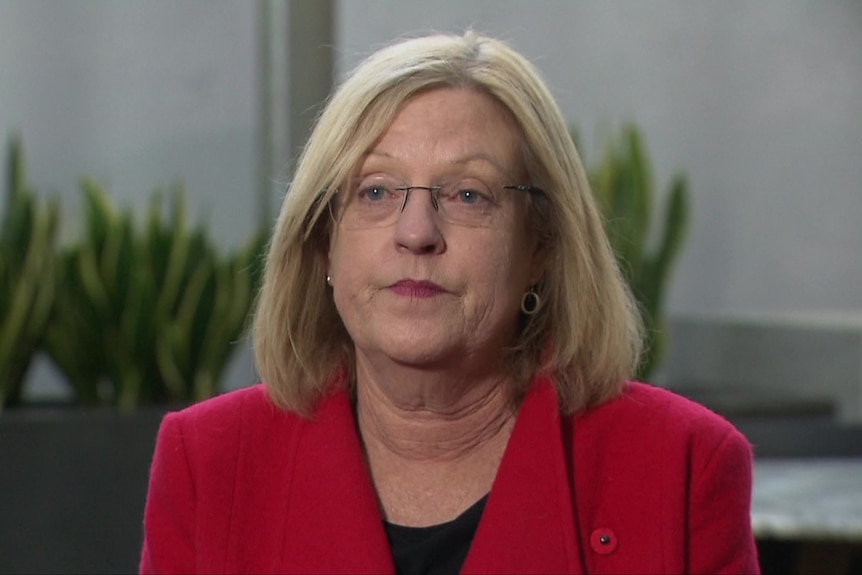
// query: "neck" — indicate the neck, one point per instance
point(418, 415)
point(433, 442)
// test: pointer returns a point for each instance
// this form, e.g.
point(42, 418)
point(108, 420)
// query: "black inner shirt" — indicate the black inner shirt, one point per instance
point(435, 550)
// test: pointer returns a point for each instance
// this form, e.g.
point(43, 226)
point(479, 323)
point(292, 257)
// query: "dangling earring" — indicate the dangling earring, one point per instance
point(531, 302)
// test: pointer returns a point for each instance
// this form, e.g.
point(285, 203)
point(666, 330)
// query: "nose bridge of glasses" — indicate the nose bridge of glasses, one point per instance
point(433, 191)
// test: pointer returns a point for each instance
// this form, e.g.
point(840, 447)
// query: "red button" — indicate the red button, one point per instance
point(604, 541)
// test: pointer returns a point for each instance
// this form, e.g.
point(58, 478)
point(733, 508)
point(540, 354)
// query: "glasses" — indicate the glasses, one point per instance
point(378, 202)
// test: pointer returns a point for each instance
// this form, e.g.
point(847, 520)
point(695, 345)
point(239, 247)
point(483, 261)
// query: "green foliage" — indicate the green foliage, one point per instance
point(622, 183)
point(148, 314)
point(131, 313)
point(27, 231)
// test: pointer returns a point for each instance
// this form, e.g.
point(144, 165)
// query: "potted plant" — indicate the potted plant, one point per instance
point(148, 314)
point(622, 182)
point(139, 317)
point(27, 232)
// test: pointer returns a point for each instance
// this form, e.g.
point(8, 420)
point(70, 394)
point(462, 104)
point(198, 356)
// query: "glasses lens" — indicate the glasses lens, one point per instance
point(377, 201)
point(469, 203)
point(368, 203)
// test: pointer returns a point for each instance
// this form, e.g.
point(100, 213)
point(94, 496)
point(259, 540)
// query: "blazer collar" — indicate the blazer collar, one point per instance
point(334, 523)
point(528, 525)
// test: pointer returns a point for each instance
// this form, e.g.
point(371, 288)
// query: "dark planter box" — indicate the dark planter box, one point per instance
point(72, 488)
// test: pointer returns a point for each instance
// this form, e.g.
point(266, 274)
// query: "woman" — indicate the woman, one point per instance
point(445, 340)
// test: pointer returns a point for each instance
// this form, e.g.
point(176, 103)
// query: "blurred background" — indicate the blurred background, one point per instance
point(758, 104)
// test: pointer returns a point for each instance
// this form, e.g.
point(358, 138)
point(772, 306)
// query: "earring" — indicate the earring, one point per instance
point(531, 302)
point(328, 281)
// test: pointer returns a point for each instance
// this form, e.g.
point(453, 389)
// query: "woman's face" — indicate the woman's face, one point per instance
point(416, 287)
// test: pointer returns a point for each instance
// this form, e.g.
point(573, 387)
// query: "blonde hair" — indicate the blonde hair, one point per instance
point(587, 333)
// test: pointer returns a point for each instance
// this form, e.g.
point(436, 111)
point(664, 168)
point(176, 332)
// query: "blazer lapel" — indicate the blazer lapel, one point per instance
point(528, 525)
point(333, 523)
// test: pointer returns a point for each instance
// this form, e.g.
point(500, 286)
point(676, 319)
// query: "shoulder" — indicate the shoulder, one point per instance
point(248, 405)
point(221, 426)
point(648, 424)
point(228, 404)
point(650, 410)
point(220, 413)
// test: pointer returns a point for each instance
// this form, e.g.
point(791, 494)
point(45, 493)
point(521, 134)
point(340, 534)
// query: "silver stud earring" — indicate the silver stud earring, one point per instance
point(328, 281)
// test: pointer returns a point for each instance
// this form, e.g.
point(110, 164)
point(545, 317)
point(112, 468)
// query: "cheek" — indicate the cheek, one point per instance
point(345, 256)
point(352, 261)
point(500, 276)
point(512, 259)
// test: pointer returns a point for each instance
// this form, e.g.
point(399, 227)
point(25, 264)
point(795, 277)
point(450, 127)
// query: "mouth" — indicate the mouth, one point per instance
point(417, 288)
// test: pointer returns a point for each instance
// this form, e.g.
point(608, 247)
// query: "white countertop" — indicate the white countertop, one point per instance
point(808, 499)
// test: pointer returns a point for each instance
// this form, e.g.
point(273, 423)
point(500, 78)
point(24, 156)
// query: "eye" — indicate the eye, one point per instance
point(471, 196)
point(373, 193)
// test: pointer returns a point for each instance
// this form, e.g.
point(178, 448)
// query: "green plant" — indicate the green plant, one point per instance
point(148, 314)
point(27, 232)
point(622, 182)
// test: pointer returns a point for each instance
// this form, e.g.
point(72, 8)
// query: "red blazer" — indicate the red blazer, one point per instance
point(647, 483)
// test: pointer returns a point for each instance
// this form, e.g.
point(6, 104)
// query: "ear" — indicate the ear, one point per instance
point(538, 261)
point(327, 245)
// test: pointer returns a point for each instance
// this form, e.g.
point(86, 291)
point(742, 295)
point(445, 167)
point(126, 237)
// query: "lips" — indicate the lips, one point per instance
point(417, 288)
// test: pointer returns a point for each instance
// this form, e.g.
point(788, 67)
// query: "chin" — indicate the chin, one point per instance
point(419, 355)
point(418, 348)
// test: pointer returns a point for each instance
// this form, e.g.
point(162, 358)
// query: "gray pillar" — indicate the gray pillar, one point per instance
point(297, 40)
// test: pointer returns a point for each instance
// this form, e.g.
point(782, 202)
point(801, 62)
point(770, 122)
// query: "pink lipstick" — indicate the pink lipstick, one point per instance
point(417, 288)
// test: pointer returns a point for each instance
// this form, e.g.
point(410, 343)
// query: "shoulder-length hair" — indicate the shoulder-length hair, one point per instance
point(587, 333)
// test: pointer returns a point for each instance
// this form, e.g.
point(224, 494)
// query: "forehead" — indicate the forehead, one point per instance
point(450, 126)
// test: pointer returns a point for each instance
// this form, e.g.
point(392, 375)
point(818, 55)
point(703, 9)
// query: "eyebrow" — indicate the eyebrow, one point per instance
point(466, 159)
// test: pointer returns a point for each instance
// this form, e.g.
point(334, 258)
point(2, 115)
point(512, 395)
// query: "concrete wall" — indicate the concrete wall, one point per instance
point(139, 95)
point(790, 364)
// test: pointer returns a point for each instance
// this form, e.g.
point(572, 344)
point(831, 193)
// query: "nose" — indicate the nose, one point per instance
point(418, 227)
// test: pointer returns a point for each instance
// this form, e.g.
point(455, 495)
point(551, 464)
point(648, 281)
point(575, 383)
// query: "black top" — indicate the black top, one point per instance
point(438, 549)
